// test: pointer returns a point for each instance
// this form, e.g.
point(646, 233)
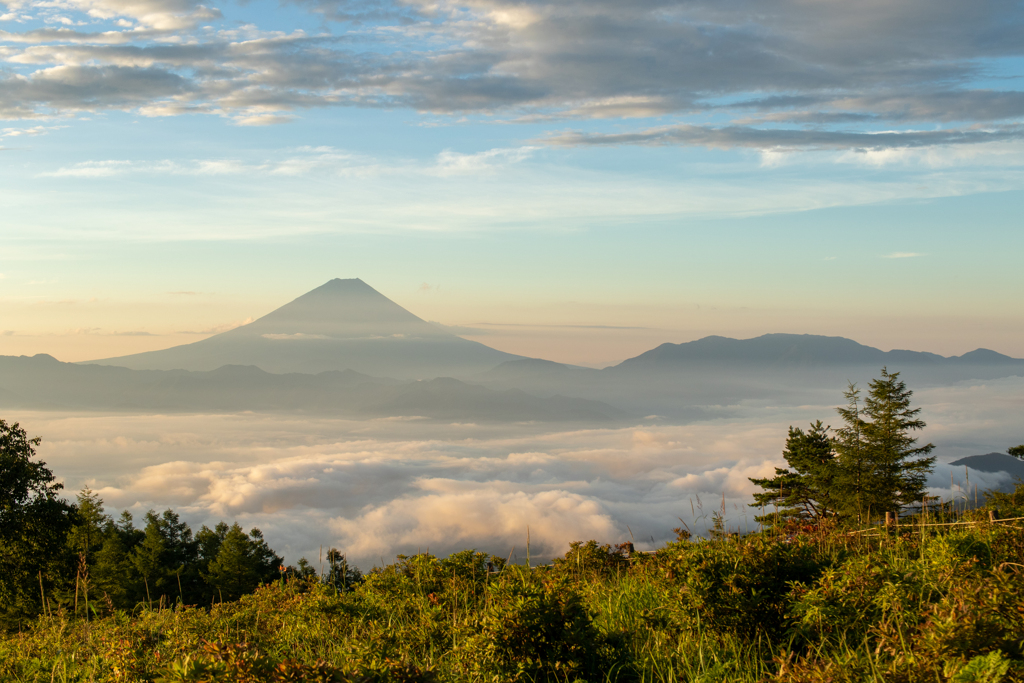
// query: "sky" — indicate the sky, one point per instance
point(577, 180)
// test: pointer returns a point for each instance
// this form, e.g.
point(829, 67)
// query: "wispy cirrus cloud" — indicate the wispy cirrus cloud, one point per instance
point(786, 139)
point(903, 254)
point(301, 161)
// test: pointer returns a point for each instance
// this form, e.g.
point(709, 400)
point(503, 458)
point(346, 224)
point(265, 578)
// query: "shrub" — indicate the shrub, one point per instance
point(535, 630)
point(741, 586)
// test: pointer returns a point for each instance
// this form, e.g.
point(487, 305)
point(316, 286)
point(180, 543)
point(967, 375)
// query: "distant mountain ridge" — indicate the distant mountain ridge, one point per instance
point(43, 382)
point(773, 350)
point(341, 325)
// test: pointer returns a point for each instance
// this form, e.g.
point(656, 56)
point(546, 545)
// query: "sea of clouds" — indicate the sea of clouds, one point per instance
point(378, 488)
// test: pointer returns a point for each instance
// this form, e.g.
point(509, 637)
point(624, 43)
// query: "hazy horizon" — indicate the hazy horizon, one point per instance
point(572, 343)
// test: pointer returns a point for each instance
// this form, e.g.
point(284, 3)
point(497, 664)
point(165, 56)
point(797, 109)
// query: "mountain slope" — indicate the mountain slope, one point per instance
point(992, 462)
point(341, 325)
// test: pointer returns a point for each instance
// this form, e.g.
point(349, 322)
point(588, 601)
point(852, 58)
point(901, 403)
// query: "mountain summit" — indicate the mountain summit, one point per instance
point(341, 309)
point(341, 325)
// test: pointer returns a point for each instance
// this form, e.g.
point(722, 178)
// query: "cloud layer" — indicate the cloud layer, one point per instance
point(383, 487)
point(739, 73)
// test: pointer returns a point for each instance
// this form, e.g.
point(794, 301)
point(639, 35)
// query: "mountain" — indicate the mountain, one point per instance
point(813, 352)
point(800, 350)
point(341, 325)
point(992, 463)
point(710, 377)
point(43, 382)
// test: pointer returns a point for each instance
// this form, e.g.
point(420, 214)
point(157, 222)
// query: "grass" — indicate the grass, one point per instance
point(926, 604)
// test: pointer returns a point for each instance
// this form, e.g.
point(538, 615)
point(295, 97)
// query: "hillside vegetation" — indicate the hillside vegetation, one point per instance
point(914, 603)
point(807, 603)
point(822, 593)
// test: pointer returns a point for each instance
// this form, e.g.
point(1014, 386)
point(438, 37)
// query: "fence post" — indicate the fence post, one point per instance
point(992, 516)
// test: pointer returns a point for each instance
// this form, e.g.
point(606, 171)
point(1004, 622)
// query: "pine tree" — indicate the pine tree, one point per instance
point(806, 491)
point(148, 560)
point(853, 464)
point(112, 570)
point(179, 559)
point(881, 469)
point(232, 573)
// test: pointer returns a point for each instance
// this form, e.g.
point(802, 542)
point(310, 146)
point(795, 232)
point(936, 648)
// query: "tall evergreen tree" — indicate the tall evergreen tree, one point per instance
point(853, 463)
point(34, 522)
point(807, 490)
point(881, 467)
point(148, 560)
point(243, 562)
point(86, 537)
point(232, 572)
point(111, 574)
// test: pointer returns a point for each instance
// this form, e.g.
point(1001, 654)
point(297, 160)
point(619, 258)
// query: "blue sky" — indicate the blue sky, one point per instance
point(574, 180)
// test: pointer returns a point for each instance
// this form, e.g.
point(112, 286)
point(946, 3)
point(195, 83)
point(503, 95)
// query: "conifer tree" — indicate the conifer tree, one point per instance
point(147, 559)
point(806, 491)
point(881, 467)
point(112, 570)
point(181, 579)
point(87, 535)
point(232, 572)
point(243, 562)
point(853, 463)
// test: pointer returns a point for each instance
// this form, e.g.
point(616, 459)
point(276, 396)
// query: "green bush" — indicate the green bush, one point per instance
point(536, 630)
point(741, 586)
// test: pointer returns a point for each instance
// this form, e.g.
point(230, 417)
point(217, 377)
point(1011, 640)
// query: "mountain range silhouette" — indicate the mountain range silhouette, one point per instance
point(344, 348)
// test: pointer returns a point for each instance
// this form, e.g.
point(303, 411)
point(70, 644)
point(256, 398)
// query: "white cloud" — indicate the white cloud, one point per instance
point(792, 64)
point(27, 132)
point(902, 254)
point(382, 487)
point(451, 163)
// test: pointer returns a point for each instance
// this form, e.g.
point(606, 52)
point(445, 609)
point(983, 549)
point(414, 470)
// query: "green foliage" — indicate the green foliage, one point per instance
point(740, 586)
point(535, 630)
point(340, 574)
point(589, 560)
point(34, 523)
point(898, 466)
point(806, 492)
point(1016, 451)
point(909, 608)
point(870, 466)
point(990, 668)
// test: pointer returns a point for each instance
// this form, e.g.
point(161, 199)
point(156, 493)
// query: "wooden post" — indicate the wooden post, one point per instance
point(992, 516)
point(629, 549)
point(888, 519)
